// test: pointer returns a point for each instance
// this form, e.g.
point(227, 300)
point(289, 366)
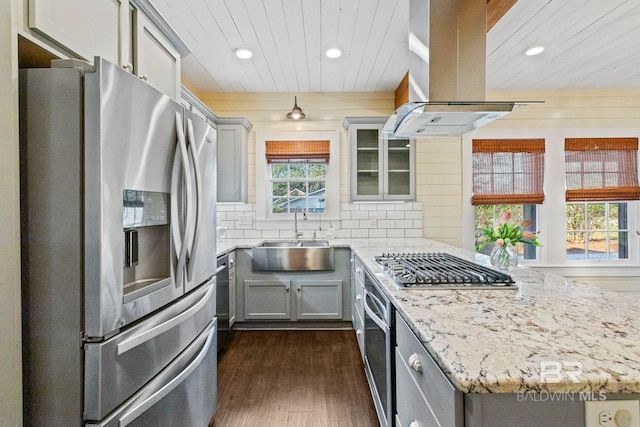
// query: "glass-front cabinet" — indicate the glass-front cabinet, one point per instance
point(381, 168)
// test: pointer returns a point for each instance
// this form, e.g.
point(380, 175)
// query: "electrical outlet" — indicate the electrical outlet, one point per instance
point(612, 413)
point(245, 219)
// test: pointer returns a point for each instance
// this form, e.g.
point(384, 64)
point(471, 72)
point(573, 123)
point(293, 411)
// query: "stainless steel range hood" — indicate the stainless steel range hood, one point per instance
point(447, 71)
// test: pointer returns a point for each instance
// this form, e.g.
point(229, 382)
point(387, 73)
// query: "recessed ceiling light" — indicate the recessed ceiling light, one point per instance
point(536, 50)
point(243, 53)
point(334, 52)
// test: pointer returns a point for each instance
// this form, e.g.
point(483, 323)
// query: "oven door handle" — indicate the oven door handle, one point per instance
point(372, 314)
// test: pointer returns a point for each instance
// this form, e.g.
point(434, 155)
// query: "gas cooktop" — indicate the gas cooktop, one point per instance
point(437, 270)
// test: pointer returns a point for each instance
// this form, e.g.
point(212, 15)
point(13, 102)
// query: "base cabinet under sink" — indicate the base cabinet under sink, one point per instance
point(293, 295)
point(313, 299)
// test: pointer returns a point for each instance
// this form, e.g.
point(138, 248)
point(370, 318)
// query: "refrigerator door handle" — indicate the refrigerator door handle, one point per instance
point(155, 396)
point(194, 232)
point(177, 235)
point(153, 332)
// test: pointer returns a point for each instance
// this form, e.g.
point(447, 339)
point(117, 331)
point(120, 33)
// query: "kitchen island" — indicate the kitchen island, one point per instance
point(551, 338)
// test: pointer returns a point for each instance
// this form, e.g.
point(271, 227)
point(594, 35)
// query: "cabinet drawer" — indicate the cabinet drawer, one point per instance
point(411, 406)
point(445, 400)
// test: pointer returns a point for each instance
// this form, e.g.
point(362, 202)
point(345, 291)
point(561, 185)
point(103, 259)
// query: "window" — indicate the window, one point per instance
point(597, 231)
point(297, 185)
point(297, 175)
point(296, 169)
point(601, 176)
point(508, 176)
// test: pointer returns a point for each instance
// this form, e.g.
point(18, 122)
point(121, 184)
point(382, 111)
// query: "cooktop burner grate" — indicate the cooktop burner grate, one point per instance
point(439, 270)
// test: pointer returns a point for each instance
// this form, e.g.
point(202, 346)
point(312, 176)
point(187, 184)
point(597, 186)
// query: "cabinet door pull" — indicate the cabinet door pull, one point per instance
point(415, 363)
point(128, 66)
point(358, 331)
point(414, 423)
point(358, 270)
point(358, 297)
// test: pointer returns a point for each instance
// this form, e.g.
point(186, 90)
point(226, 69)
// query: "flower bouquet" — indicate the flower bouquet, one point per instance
point(506, 233)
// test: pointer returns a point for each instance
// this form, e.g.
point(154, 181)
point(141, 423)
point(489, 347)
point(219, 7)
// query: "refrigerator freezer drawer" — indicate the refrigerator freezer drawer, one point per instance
point(183, 394)
point(117, 368)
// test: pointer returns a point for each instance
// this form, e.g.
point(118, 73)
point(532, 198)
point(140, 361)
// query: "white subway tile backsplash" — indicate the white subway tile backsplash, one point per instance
point(350, 223)
point(359, 233)
point(245, 207)
point(349, 207)
point(378, 214)
point(386, 223)
point(378, 232)
point(404, 223)
point(367, 223)
point(357, 220)
point(343, 234)
point(395, 232)
point(253, 234)
point(395, 214)
point(235, 234)
point(224, 207)
point(359, 215)
point(413, 232)
point(413, 215)
point(229, 224)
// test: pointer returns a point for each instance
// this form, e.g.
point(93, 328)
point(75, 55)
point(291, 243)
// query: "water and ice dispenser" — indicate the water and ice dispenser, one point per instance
point(147, 242)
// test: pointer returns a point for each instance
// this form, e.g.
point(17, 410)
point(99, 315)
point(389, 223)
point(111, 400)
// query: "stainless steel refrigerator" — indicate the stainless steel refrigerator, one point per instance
point(119, 251)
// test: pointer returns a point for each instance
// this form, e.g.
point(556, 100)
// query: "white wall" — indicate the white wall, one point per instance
point(10, 342)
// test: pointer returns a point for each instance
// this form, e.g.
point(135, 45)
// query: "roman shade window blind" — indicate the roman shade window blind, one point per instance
point(306, 151)
point(601, 169)
point(508, 171)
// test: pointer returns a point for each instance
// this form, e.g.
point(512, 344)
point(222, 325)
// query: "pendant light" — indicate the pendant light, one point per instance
point(296, 113)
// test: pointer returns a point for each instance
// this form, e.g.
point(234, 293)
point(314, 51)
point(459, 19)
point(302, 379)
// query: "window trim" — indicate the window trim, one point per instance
point(332, 180)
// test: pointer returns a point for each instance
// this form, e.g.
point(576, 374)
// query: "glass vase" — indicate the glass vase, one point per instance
point(503, 257)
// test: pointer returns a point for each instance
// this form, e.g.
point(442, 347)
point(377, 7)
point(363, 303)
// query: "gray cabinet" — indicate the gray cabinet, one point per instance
point(424, 396)
point(381, 168)
point(357, 299)
point(232, 289)
point(155, 60)
point(267, 299)
point(272, 299)
point(233, 136)
point(86, 28)
point(318, 299)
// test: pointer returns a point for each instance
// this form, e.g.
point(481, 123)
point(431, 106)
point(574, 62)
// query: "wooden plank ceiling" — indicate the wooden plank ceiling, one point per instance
point(589, 44)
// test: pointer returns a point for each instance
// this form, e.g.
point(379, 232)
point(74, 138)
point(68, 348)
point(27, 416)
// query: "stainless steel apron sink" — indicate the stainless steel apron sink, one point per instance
point(292, 255)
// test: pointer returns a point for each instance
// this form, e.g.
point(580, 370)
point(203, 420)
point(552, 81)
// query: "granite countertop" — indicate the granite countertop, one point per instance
point(496, 340)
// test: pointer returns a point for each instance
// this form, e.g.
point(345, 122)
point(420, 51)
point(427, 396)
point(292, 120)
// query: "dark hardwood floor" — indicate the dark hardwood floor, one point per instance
point(293, 378)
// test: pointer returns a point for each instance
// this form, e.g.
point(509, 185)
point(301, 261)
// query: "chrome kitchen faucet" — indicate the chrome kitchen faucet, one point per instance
point(295, 219)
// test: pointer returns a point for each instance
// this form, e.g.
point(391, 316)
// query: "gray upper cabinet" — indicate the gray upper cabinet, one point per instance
point(86, 28)
point(129, 33)
point(233, 140)
point(381, 168)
